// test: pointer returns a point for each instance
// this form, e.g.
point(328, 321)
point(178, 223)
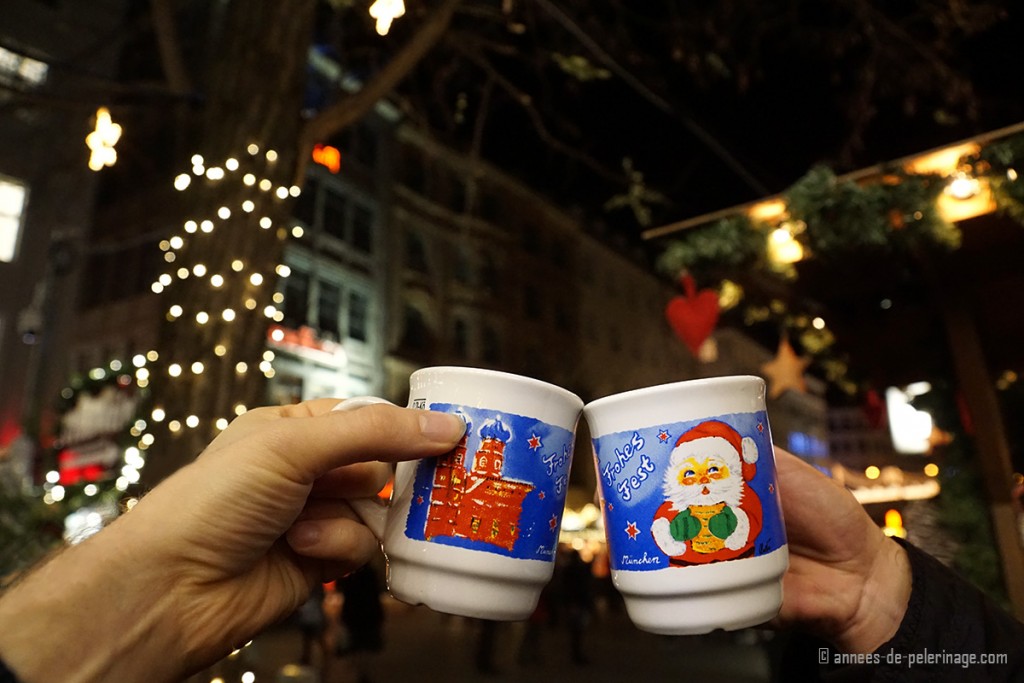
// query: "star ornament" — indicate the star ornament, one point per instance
point(785, 371)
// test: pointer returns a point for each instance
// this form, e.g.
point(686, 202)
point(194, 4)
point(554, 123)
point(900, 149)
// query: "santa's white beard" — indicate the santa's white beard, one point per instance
point(728, 490)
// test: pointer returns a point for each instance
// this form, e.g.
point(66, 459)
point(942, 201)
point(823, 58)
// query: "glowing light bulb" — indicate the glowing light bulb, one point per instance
point(191, 226)
point(215, 173)
point(872, 472)
point(231, 164)
point(256, 279)
point(385, 12)
point(228, 314)
point(224, 213)
point(177, 242)
point(241, 367)
point(248, 206)
point(199, 270)
point(175, 311)
point(237, 266)
point(217, 280)
point(297, 231)
point(192, 421)
point(271, 155)
point(206, 226)
point(174, 370)
point(249, 179)
point(253, 149)
point(102, 139)
point(221, 423)
point(266, 223)
point(197, 368)
point(202, 317)
point(182, 181)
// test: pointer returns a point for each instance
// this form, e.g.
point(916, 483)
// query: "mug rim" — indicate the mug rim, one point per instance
point(706, 382)
point(499, 374)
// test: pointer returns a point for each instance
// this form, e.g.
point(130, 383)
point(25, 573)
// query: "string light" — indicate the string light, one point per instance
point(202, 317)
point(216, 280)
point(102, 139)
point(197, 368)
point(271, 156)
point(215, 173)
point(174, 370)
point(224, 213)
point(266, 223)
point(256, 279)
point(231, 164)
point(228, 314)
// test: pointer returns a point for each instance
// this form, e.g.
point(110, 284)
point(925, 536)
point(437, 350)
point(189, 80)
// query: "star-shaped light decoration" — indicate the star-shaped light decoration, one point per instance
point(637, 196)
point(534, 442)
point(385, 12)
point(632, 531)
point(785, 371)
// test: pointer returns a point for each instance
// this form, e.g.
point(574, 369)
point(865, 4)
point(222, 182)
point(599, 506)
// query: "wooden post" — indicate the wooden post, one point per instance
point(993, 451)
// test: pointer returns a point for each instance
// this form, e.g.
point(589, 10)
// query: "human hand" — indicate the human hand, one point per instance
point(847, 582)
point(226, 546)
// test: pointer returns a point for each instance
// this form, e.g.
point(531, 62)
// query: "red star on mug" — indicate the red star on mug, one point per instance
point(632, 531)
point(553, 522)
point(534, 442)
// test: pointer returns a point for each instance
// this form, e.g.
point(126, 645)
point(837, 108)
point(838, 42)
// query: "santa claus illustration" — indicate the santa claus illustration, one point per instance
point(711, 513)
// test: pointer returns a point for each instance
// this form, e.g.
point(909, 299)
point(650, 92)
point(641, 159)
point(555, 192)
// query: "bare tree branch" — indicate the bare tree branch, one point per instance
point(166, 32)
point(349, 110)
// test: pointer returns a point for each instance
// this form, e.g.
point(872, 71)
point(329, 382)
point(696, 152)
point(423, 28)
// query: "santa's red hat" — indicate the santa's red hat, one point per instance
point(716, 438)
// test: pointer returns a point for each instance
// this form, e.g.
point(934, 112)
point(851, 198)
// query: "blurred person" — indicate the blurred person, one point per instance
point(578, 599)
point(362, 617)
point(236, 540)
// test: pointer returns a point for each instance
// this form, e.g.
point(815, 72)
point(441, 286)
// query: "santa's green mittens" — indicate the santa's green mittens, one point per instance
point(723, 524)
point(685, 526)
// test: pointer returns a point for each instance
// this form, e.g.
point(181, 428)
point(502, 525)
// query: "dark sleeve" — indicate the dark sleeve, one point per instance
point(6, 675)
point(950, 632)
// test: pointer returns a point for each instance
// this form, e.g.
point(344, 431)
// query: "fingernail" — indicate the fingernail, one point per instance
point(304, 534)
point(441, 426)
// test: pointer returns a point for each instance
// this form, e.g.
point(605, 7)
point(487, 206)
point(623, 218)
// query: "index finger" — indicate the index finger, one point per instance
point(303, 448)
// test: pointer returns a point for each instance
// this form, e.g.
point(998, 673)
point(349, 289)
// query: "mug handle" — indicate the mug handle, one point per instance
point(370, 511)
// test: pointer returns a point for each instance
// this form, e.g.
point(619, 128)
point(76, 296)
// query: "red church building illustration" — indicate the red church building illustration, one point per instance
point(477, 503)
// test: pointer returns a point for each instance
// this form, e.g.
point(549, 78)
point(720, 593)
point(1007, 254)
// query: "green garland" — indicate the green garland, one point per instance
point(832, 218)
point(32, 520)
point(999, 163)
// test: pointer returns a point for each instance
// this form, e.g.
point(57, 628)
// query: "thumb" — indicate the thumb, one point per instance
point(301, 449)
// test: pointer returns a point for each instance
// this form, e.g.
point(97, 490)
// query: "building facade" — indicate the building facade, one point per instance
point(53, 56)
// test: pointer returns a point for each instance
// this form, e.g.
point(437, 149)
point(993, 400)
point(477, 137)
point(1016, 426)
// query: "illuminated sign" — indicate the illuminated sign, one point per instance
point(327, 156)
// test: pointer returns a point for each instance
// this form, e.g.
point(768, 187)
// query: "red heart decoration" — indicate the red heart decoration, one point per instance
point(693, 316)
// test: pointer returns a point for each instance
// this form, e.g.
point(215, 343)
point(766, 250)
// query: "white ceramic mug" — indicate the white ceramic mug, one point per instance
point(691, 504)
point(474, 532)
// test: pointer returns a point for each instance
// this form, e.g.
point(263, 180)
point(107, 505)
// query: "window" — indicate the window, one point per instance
point(463, 272)
point(12, 204)
point(16, 69)
point(334, 217)
point(305, 205)
point(362, 228)
point(358, 316)
point(296, 299)
point(415, 251)
point(416, 334)
point(329, 309)
point(365, 148)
